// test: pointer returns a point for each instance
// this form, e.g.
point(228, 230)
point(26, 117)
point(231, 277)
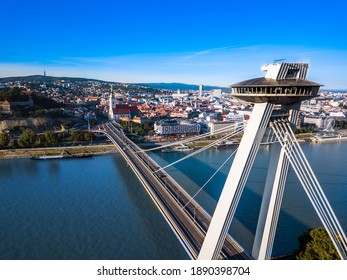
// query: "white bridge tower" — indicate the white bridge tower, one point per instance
point(283, 87)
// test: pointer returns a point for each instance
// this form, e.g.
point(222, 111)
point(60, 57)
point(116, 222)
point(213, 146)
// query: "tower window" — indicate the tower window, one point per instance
point(292, 73)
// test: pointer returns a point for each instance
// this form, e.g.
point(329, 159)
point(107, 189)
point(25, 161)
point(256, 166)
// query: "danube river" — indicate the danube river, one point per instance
point(96, 208)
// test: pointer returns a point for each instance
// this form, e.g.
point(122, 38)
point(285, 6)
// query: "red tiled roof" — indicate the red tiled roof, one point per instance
point(121, 111)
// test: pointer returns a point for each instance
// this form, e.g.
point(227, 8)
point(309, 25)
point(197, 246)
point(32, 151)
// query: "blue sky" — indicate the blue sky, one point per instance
point(217, 42)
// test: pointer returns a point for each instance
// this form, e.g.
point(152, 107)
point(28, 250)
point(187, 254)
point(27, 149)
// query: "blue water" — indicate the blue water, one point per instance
point(80, 209)
point(297, 215)
point(96, 208)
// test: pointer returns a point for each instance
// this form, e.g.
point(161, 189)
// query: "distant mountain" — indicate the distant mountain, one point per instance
point(51, 79)
point(44, 79)
point(176, 86)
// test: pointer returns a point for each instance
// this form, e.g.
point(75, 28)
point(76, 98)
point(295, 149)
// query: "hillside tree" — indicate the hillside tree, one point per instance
point(51, 137)
point(4, 139)
point(316, 245)
point(27, 138)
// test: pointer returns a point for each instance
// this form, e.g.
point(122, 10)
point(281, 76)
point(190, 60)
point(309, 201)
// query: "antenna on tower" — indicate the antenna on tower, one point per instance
point(44, 73)
point(278, 60)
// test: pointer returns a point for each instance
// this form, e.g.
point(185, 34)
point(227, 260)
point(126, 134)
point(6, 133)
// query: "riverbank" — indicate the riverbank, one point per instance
point(105, 148)
point(25, 153)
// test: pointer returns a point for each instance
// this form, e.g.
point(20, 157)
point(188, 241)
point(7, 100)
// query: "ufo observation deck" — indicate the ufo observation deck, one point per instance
point(284, 91)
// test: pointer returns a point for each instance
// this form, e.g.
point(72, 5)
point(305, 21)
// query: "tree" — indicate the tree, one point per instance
point(138, 130)
point(87, 136)
point(151, 132)
point(4, 139)
point(41, 140)
point(316, 245)
point(51, 137)
point(148, 126)
point(75, 136)
point(17, 114)
point(15, 143)
point(81, 136)
point(124, 125)
point(27, 138)
point(38, 113)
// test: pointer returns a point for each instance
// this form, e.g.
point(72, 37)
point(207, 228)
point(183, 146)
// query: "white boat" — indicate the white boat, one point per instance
point(167, 150)
point(182, 148)
point(61, 156)
point(47, 157)
point(327, 137)
point(225, 144)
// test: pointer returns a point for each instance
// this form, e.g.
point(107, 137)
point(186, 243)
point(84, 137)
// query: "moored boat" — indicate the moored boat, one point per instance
point(61, 156)
point(182, 148)
point(225, 144)
point(327, 137)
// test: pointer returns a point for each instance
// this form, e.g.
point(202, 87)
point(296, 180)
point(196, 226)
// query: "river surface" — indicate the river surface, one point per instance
point(97, 209)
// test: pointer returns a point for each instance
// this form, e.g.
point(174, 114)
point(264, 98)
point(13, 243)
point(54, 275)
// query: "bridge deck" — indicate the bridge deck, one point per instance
point(189, 223)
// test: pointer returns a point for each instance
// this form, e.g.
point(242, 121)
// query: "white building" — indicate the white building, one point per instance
point(217, 125)
point(175, 128)
point(117, 111)
point(316, 120)
point(216, 93)
point(337, 114)
point(200, 91)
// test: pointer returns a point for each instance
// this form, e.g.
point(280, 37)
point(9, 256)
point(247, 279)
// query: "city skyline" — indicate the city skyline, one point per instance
point(201, 42)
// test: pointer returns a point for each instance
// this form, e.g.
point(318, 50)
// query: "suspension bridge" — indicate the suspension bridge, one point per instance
point(277, 99)
point(186, 217)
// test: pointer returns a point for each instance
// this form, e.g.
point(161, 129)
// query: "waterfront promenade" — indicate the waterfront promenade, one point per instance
point(188, 220)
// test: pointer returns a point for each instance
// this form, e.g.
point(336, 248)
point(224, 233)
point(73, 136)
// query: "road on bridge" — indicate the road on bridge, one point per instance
point(190, 223)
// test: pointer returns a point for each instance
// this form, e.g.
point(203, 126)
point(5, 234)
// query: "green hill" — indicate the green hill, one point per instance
point(51, 79)
point(44, 79)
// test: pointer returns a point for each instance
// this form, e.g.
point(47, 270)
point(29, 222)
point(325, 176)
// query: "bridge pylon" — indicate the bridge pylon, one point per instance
point(277, 98)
